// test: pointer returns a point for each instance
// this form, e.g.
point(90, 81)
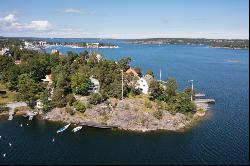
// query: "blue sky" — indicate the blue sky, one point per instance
point(125, 19)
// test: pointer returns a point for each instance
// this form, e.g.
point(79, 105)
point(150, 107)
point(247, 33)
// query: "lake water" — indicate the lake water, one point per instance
point(222, 137)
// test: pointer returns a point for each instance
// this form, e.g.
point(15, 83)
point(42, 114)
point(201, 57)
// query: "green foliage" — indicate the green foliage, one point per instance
point(80, 84)
point(154, 89)
point(157, 114)
point(69, 110)
point(79, 107)
point(3, 108)
point(70, 99)
point(171, 87)
point(27, 88)
point(124, 63)
point(47, 105)
point(12, 77)
point(181, 103)
point(150, 72)
point(59, 98)
point(148, 104)
point(135, 91)
point(95, 98)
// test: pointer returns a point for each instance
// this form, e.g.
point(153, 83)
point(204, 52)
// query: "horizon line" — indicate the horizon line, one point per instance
point(126, 38)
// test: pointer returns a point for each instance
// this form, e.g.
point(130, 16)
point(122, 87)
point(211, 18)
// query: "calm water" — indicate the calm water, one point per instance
point(220, 138)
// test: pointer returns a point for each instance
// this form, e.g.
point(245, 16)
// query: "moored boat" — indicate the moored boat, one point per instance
point(77, 129)
point(63, 128)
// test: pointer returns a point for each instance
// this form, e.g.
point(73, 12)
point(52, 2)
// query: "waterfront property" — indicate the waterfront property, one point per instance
point(95, 85)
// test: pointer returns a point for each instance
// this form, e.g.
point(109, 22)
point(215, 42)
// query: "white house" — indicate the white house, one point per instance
point(144, 82)
point(5, 51)
point(39, 104)
point(98, 57)
point(95, 86)
point(48, 78)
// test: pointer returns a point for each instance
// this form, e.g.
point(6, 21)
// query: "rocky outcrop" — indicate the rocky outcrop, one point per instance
point(129, 114)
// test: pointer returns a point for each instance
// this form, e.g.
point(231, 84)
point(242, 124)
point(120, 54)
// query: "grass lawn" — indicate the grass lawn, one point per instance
point(9, 97)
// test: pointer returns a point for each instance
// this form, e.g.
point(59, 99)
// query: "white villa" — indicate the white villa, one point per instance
point(95, 87)
point(143, 83)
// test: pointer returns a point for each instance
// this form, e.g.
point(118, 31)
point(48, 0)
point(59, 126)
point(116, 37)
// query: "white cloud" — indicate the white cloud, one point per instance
point(71, 10)
point(10, 22)
point(77, 11)
point(39, 25)
point(9, 18)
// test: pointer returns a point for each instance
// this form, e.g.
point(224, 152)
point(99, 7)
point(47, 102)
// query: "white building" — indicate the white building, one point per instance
point(95, 87)
point(39, 104)
point(4, 50)
point(143, 83)
point(98, 57)
point(48, 78)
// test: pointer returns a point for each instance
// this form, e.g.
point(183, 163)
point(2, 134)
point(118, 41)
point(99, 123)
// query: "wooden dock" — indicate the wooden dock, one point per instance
point(96, 125)
point(208, 101)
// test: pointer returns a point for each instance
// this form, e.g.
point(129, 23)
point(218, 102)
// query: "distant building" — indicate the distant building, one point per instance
point(6, 52)
point(95, 86)
point(42, 43)
point(144, 82)
point(54, 51)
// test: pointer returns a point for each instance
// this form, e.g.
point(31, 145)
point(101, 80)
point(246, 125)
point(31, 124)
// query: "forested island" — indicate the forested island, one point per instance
point(87, 88)
point(217, 43)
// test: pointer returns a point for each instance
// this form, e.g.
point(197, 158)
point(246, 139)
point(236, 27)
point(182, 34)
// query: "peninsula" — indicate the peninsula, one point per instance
point(85, 89)
point(215, 43)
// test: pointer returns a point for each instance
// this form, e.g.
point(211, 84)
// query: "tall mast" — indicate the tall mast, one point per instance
point(160, 75)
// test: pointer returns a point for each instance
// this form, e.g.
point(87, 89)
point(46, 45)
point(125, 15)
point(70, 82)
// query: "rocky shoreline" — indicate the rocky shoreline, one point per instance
point(129, 114)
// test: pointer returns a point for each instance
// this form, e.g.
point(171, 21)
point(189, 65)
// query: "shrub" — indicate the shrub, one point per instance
point(69, 110)
point(157, 114)
point(126, 106)
point(136, 109)
point(70, 99)
point(148, 104)
point(95, 98)
point(79, 107)
point(4, 108)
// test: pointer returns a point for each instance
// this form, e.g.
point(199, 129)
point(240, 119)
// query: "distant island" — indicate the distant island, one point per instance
point(84, 89)
point(214, 43)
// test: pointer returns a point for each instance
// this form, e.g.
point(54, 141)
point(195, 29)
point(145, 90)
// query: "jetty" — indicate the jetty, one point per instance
point(97, 125)
point(12, 107)
point(208, 101)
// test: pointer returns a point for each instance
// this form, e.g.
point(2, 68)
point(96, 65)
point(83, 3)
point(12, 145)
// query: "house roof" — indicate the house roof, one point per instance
point(94, 81)
point(132, 71)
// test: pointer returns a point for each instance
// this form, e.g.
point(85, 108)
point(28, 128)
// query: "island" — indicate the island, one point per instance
point(87, 89)
point(214, 43)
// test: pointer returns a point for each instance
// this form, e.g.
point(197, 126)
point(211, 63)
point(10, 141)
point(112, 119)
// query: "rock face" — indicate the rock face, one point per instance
point(129, 114)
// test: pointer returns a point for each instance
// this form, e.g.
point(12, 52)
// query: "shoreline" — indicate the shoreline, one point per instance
point(125, 120)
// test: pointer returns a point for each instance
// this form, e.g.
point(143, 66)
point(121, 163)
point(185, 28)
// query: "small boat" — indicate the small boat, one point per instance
point(77, 129)
point(64, 128)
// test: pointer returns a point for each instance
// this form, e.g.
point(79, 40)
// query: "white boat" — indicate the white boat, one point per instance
point(64, 128)
point(77, 129)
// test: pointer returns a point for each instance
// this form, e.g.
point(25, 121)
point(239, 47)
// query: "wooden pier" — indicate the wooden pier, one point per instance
point(208, 101)
point(96, 125)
